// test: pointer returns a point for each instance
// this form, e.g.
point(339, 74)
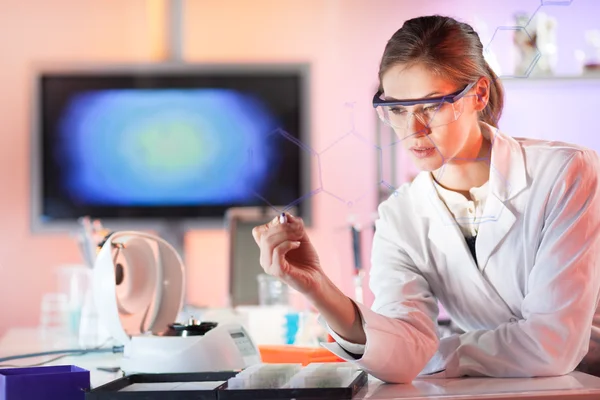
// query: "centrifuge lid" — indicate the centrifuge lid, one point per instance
point(138, 285)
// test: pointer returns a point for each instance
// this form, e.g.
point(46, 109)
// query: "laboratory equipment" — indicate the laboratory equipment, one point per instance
point(54, 314)
point(260, 381)
point(535, 46)
point(138, 291)
point(324, 375)
point(359, 273)
point(591, 57)
point(65, 382)
point(272, 291)
point(264, 376)
point(74, 281)
point(192, 386)
point(292, 381)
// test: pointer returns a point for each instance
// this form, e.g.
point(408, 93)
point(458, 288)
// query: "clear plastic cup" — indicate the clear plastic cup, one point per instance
point(54, 316)
point(74, 281)
point(272, 291)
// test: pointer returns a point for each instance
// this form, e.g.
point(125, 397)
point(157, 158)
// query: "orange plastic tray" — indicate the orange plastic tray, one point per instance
point(282, 354)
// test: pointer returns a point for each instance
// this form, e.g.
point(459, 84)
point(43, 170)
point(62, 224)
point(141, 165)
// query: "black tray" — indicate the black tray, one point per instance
point(111, 390)
point(327, 393)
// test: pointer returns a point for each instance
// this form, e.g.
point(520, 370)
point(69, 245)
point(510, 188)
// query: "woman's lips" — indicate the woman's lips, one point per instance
point(423, 152)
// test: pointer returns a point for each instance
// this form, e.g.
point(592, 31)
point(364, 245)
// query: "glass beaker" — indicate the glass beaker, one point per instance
point(74, 281)
point(272, 291)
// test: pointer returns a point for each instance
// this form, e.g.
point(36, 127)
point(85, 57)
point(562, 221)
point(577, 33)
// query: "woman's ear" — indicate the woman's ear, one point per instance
point(482, 94)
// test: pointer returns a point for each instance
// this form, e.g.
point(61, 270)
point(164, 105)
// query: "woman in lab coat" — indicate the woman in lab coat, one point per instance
point(503, 231)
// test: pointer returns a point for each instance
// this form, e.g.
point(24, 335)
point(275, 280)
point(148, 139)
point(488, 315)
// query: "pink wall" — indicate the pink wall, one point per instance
point(33, 31)
point(342, 39)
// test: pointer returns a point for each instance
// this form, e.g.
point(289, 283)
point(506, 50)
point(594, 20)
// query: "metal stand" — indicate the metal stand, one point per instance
point(175, 31)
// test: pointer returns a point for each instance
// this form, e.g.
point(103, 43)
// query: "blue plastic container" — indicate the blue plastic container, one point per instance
point(64, 382)
point(292, 324)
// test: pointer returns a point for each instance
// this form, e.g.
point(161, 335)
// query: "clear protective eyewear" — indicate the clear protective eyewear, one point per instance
point(432, 112)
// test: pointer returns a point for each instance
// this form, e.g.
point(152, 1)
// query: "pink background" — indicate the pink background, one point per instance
point(342, 39)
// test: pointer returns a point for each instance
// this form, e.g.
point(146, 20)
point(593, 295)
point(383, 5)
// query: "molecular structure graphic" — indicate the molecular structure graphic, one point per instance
point(326, 176)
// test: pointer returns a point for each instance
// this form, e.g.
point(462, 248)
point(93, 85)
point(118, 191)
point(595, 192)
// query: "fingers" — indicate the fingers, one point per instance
point(279, 265)
point(288, 221)
point(271, 240)
point(258, 231)
point(273, 233)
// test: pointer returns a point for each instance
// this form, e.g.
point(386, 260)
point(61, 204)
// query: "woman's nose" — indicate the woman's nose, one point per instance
point(416, 126)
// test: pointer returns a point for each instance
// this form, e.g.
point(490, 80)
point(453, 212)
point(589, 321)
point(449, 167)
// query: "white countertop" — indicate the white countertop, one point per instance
point(573, 386)
point(30, 340)
point(576, 385)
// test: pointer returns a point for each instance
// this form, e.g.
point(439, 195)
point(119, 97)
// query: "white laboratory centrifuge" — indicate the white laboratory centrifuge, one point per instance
point(138, 286)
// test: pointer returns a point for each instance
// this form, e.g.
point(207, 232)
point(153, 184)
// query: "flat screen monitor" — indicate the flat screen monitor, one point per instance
point(139, 145)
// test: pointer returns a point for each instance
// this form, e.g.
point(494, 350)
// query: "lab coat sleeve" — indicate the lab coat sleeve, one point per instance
point(355, 349)
point(401, 326)
point(562, 291)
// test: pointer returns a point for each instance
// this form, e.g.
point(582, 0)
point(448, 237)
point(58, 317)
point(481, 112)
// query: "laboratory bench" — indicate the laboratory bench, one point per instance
point(576, 385)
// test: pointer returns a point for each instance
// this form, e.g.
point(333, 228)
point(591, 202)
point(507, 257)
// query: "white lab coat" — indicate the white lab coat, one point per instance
point(530, 306)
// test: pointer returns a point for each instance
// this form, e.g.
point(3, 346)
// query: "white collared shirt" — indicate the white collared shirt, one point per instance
point(467, 214)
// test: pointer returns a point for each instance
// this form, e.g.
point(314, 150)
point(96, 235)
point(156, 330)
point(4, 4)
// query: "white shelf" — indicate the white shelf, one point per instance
point(552, 78)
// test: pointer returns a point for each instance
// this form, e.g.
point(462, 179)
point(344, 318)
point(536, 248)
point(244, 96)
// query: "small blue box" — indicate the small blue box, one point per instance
point(64, 382)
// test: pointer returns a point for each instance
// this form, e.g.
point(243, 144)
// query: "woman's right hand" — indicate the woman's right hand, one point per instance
point(287, 253)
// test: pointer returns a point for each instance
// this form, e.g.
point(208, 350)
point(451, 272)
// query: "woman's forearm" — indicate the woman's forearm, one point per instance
point(339, 311)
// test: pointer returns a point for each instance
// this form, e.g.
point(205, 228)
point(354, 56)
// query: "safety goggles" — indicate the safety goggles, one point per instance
point(431, 112)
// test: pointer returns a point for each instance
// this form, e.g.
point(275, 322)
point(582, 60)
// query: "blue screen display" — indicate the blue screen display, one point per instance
point(165, 147)
point(169, 145)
